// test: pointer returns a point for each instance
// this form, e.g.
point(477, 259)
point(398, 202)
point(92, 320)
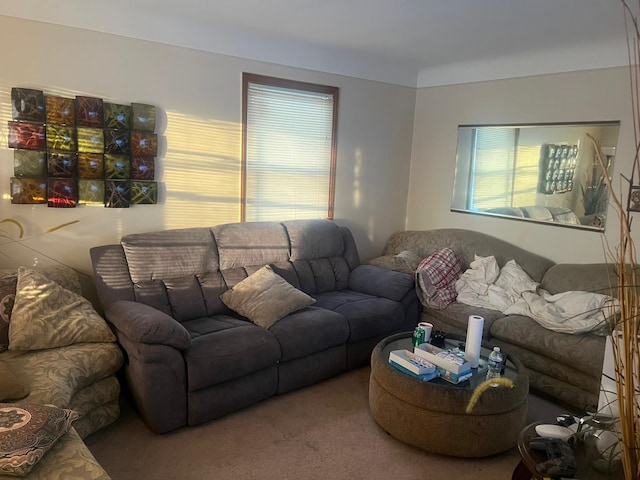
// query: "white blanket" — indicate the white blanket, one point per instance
point(511, 291)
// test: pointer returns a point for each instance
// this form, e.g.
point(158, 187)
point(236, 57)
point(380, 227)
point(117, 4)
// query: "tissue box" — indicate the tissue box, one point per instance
point(411, 362)
point(453, 377)
point(447, 360)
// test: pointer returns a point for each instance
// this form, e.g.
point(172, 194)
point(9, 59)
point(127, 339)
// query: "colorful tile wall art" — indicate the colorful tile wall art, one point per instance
point(81, 151)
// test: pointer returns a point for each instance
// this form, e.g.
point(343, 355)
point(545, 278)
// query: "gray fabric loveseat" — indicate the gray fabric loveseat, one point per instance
point(191, 359)
point(564, 366)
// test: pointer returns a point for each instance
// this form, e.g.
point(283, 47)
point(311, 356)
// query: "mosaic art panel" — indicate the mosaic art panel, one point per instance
point(28, 190)
point(82, 150)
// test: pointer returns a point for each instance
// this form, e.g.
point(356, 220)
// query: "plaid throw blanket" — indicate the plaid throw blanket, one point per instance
point(436, 278)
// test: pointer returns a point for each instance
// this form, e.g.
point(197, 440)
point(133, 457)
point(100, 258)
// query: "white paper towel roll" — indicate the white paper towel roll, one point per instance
point(474, 340)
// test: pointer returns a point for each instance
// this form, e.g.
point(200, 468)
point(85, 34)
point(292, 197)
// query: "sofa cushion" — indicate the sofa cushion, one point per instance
point(11, 388)
point(251, 243)
point(46, 315)
point(170, 254)
point(565, 373)
point(589, 277)
point(152, 258)
point(56, 375)
point(405, 261)
point(368, 316)
point(98, 418)
point(8, 284)
point(322, 274)
point(457, 314)
point(88, 402)
point(60, 274)
point(212, 285)
point(584, 352)
point(265, 297)
point(227, 348)
point(310, 331)
point(28, 433)
point(185, 298)
point(313, 239)
point(69, 458)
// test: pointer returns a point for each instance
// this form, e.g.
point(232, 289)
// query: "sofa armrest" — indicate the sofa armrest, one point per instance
point(381, 282)
point(144, 324)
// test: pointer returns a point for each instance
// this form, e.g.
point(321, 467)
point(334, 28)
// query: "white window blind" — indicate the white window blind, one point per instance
point(493, 168)
point(504, 176)
point(289, 152)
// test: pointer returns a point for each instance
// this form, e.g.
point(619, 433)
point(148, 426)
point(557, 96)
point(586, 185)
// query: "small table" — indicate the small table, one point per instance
point(431, 415)
point(526, 469)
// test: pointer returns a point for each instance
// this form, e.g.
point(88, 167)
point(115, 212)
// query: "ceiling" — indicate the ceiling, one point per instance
point(406, 42)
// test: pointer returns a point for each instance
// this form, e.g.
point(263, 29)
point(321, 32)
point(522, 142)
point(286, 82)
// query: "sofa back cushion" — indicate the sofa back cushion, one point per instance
point(587, 277)
point(170, 253)
point(467, 244)
point(175, 271)
point(319, 255)
point(251, 244)
point(244, 248)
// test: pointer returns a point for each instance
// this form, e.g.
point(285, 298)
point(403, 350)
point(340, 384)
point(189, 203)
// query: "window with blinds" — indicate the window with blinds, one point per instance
point(289, 149)
point(504, 173)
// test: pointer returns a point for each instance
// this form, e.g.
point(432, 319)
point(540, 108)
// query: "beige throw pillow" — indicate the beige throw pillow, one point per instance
point(265, 297)
point(47, 315)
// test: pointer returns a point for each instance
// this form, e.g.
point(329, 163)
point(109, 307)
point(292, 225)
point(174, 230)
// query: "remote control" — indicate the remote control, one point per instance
point(554, 431)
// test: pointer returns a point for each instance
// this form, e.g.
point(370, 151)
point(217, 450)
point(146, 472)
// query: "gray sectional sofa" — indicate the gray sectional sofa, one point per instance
point(189, 358)
point(567, 367)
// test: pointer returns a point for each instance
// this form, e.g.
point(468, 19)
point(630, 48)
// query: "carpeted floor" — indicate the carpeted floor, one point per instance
point(321, 432)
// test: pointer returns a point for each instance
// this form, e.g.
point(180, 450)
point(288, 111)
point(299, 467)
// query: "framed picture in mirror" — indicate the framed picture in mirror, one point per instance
point(634, 199)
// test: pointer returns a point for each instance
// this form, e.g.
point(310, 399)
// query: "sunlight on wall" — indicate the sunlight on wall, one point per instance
point(357, 167)
point(201, 171)
point(198, 170)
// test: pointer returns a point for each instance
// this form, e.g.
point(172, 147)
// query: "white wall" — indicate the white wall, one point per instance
point(577, 96)
point(198, 96)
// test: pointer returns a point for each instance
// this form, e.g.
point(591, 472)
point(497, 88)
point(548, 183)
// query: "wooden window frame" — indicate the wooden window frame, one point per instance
point(292, 85)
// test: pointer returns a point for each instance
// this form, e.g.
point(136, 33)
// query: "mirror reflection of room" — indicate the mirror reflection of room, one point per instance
point(541, 173)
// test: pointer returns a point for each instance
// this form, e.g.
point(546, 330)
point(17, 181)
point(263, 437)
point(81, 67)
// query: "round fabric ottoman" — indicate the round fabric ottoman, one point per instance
point(431, 415)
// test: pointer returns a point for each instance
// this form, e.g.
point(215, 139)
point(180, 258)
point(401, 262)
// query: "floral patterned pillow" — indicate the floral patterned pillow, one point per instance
point(28, 432)
point(60, 274)
point(47, 315)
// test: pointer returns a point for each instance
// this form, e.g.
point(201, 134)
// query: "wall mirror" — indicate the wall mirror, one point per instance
point(540, 172)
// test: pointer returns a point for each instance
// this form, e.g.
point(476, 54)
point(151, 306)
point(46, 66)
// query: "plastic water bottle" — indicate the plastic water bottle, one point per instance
point(494, 365)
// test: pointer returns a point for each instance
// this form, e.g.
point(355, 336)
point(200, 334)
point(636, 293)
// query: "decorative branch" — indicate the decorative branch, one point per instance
point(21, 240)
point(15, 222)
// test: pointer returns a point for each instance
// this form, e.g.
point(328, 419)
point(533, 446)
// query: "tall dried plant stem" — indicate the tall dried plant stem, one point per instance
point(624, 335)
point(626, 354)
